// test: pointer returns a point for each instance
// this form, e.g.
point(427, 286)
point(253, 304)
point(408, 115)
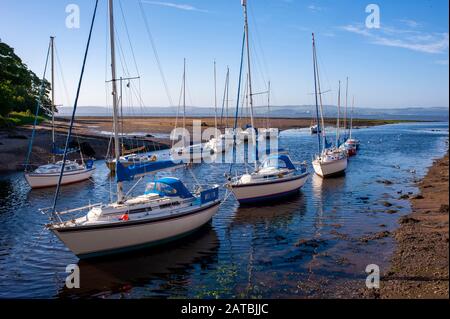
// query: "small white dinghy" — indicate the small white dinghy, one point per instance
point(277, 177)
point(48, 175)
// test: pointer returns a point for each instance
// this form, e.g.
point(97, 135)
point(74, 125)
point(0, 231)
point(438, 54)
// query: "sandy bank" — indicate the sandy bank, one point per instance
point(420, 264)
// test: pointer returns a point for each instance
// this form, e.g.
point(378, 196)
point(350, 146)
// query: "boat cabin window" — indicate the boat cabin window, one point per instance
point(274, 162)
point(160, 188)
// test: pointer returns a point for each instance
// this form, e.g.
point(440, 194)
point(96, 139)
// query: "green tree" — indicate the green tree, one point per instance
point(19, 86)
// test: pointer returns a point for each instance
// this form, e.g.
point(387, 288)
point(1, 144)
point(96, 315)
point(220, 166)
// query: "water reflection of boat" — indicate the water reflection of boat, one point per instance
point(111, 276)
point(322, 186)
point(279, 212)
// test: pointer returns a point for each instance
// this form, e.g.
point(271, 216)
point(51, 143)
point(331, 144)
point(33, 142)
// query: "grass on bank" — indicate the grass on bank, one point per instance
point(18, 118)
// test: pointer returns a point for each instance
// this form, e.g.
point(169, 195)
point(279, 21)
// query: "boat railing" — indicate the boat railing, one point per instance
point(70, 211)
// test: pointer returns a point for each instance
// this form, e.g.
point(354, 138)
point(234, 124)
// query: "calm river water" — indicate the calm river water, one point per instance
point(310, 245)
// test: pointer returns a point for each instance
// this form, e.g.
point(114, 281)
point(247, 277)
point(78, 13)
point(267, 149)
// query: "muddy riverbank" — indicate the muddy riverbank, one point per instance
point(14, 145)
point(420, 264)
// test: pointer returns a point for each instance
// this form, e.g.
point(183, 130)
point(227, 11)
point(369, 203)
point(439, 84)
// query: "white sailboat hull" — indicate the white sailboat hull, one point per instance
point(250, 193)
point(332, 168)
point(92, 241)
point(36, 180)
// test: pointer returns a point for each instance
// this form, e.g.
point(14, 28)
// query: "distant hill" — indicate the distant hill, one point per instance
point(301, 111)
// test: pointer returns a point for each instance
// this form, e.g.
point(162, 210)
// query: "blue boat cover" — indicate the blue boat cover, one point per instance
point(168, 186)
point(131, 172)
point(279, 157)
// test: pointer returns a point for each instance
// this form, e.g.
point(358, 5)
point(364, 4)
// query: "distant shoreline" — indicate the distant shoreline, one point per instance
point(276, 111)
point(261, 117)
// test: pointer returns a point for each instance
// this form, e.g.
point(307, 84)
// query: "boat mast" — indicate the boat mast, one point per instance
point(316, 94)
point(227, 102)
point(120, 195)
point(351, 117)
point(346, 106)
point(121, 117)
point(244, 4)
point(319, 90)
point(52, 41)
point(338, 115)
point(268, 106)
point(184, 100)
point(215, 95)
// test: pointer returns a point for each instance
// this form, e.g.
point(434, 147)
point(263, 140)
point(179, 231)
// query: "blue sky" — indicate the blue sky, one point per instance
point(402, 64)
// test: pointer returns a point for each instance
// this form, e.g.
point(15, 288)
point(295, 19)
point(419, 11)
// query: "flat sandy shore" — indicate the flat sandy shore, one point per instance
point(165, 125)
point(420, 264)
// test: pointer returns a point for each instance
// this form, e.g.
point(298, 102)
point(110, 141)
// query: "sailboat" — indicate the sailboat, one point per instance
point(348, 146)
point(330, 161)
point(268, 132)
point(352, 144)
point(220, 143)
point(277, 176)
point(48, 175)
point(166, 211)
point(192, 152)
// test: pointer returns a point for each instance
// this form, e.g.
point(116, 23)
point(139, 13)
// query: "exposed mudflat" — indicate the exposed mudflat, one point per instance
point(420, 263)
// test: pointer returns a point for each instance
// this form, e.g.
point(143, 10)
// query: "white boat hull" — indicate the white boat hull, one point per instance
point(332, 168)
point(256, 192)
point(194, 153)
point(50, 180)
point(92, 241)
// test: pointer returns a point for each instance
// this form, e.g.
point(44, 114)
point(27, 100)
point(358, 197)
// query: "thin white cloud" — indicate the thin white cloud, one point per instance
point(185, 7)
point(410, 23)
point(314, 8)
point(433, 43)
point(442, 62)
point(356, 29)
